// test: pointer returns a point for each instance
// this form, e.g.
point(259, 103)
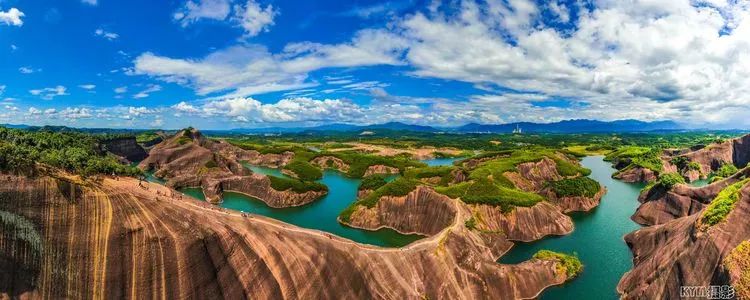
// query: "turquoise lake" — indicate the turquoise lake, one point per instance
point(597, 239)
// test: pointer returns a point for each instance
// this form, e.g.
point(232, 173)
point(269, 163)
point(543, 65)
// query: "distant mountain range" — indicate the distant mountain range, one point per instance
point(569, 126)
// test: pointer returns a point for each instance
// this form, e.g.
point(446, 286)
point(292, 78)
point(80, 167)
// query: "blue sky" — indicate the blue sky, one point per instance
point(220, 64)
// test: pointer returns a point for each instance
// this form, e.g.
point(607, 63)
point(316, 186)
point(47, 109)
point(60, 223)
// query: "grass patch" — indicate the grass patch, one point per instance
point(576, 187)
point(484, 191)
point(739, 259)
point(283, 184)
point(718, 210)
point(570, 265)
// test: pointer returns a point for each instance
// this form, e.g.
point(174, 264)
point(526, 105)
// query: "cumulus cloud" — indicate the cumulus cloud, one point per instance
point(50, 93)
point(106, 34)
point(253, 18)
point(249, 15)
point(286, 110)
point(12, 17)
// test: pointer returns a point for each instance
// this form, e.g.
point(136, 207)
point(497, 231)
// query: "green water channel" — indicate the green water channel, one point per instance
point(321, 214)
point(597, 239)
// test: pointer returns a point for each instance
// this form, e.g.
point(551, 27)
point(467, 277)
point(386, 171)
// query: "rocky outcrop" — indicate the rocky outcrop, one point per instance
point(423, 211)
point(579, 203)
point(660, 206)
point(126, 148)
point(188, 159)
point(681, 253)
point(710, 158)
point(636, 174)
point(380, 169)
point(259, 187)
point(533, 176)
point(330, 162)
point(114, 239)
point(523, 224)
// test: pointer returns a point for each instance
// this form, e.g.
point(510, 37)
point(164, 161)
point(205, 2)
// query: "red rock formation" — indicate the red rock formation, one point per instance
point(423, 211)
point(126, 148)
point(523, 224)
point(188, 159)
point(660, 206)
point(115, 240)
point(534, 177)
point(679, 253)
point(380, 169)
point(330, 162)
point(636, 174)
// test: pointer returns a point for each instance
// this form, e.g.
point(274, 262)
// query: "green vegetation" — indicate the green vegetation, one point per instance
point(507, 162)
point(283, 184)
point(146, 136)
point(80, 153)
point(669, 180)
point(484, 191)
point(634, 156)
point(576, 187)
point(17, 227)
point(373, 182)
point(726, 170)
point(304, 170)
point(443, 172)
point(718, 210)
point(693, 166)
point(739, 260)
point(471, 223)
point(570, 265)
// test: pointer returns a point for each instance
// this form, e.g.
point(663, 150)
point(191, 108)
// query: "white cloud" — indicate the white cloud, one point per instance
point(193, 11)
point(121, 90)
point(50, 93)
point(251, 69)
point(87, 86)
point(90, 2)
point(106, 34)
point(286, 110)
point(253, 18)
point(28, 70)
point(249, 15)
point(13, 47)
point(147, 92)
point(12, 17)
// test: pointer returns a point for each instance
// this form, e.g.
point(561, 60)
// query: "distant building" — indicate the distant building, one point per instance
point(517, 130)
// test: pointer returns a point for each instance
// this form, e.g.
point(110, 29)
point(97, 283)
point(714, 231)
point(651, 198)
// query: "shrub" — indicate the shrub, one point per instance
point(693, 166)
point(304, 170)
point(471, 223)
point(283, 184)
point(718, 210)
point(576, 187)
point(669, 180)
point(373, 182)
point(568, 264)
point(726, 170)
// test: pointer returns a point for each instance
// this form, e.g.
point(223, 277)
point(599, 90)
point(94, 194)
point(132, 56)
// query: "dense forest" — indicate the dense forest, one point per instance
point(22, 150)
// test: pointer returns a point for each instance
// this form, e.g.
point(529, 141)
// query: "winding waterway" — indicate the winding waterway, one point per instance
point(597, 239)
